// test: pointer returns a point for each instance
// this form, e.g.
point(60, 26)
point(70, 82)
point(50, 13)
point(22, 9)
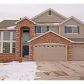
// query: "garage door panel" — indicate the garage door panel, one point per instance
point(50, 53)
point(78, 53)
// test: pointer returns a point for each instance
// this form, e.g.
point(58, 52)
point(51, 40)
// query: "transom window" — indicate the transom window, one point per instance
point(6, 35)
point(72, 29)
point(7, 41)
point(42, 29)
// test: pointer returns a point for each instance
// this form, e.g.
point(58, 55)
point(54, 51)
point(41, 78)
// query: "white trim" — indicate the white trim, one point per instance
point(48, 32)
point(46, 11)
point(50, 44)
point(47, 24)
point(72, 17)
point(11, 36)
point(71, 33)
point(25, 18)
point(1, 42)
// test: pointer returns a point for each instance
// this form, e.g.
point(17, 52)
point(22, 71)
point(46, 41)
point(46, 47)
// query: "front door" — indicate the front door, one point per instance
point(25, 50)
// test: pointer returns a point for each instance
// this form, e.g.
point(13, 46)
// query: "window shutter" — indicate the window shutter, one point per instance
point(35, 29)
point(78, 29)
point(65, 29)
point(47, 28)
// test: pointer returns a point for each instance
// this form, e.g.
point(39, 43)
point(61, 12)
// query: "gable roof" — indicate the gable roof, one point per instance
point(46, 11)
point(26, 19)
point(7, 23)
point(47, 33)
point(72, 17)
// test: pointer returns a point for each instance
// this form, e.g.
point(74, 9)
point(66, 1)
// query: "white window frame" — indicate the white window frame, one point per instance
point(11, 41)
point(41, 28)
point(72, 29)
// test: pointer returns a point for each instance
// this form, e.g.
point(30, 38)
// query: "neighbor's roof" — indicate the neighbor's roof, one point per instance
point(7, 23)
point(74, 18)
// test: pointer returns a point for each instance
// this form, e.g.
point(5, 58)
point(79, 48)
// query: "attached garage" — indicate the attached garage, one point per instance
point(50, 52)
point(78, 53)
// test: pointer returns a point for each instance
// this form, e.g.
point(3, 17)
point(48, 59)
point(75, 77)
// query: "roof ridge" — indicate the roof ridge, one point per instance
point(46, 11)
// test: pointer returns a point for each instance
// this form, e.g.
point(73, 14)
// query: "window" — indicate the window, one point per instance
point(38, 29)
point(6, 35)
point(14, 35)
point(0, 47)
point(42, 29)
point(0, 35)
point(13, 47)
point(6, 47)
point(7, 42)
point(71, 29)
point(49, 13)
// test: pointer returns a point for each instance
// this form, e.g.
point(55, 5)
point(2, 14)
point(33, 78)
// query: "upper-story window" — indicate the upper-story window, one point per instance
point(72, 29)
point(6, 35)
point(42, 29)
point(14, 35)
point(49, 12)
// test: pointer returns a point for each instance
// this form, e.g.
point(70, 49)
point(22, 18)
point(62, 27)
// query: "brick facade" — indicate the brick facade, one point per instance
point(17, 56)
point(19, 27)
point(47, 38)
point(51, 38)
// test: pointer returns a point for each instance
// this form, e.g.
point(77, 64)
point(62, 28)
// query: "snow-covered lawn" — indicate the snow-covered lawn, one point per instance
point(18, 71)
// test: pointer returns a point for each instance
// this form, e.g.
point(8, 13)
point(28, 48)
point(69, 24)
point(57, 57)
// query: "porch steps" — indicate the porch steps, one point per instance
point(25, 58)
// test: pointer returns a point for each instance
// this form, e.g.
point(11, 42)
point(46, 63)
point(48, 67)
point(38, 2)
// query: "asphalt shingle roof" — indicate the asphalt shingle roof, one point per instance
point(7, 23)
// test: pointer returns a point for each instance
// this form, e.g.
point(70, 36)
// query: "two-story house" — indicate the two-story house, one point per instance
point(49, 36)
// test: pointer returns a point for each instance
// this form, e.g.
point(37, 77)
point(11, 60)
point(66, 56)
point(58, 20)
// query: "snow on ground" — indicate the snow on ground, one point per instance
point(18, 71)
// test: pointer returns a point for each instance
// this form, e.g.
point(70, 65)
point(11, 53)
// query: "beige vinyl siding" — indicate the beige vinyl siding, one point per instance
point(72, 22)
point(77, 39)
point(54, 28)
point(49, 18)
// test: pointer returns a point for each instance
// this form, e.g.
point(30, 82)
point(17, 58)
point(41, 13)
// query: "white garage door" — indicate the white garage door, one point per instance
point(50, 52)
point(78, 53)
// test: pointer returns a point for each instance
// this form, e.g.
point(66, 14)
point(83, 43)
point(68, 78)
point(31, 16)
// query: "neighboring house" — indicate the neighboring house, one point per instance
point(49, 36)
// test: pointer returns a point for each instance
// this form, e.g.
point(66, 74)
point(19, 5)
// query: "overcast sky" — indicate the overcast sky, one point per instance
point(16, 11)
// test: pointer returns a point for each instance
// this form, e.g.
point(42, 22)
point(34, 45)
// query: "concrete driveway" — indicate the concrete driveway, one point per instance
point(60, 70)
